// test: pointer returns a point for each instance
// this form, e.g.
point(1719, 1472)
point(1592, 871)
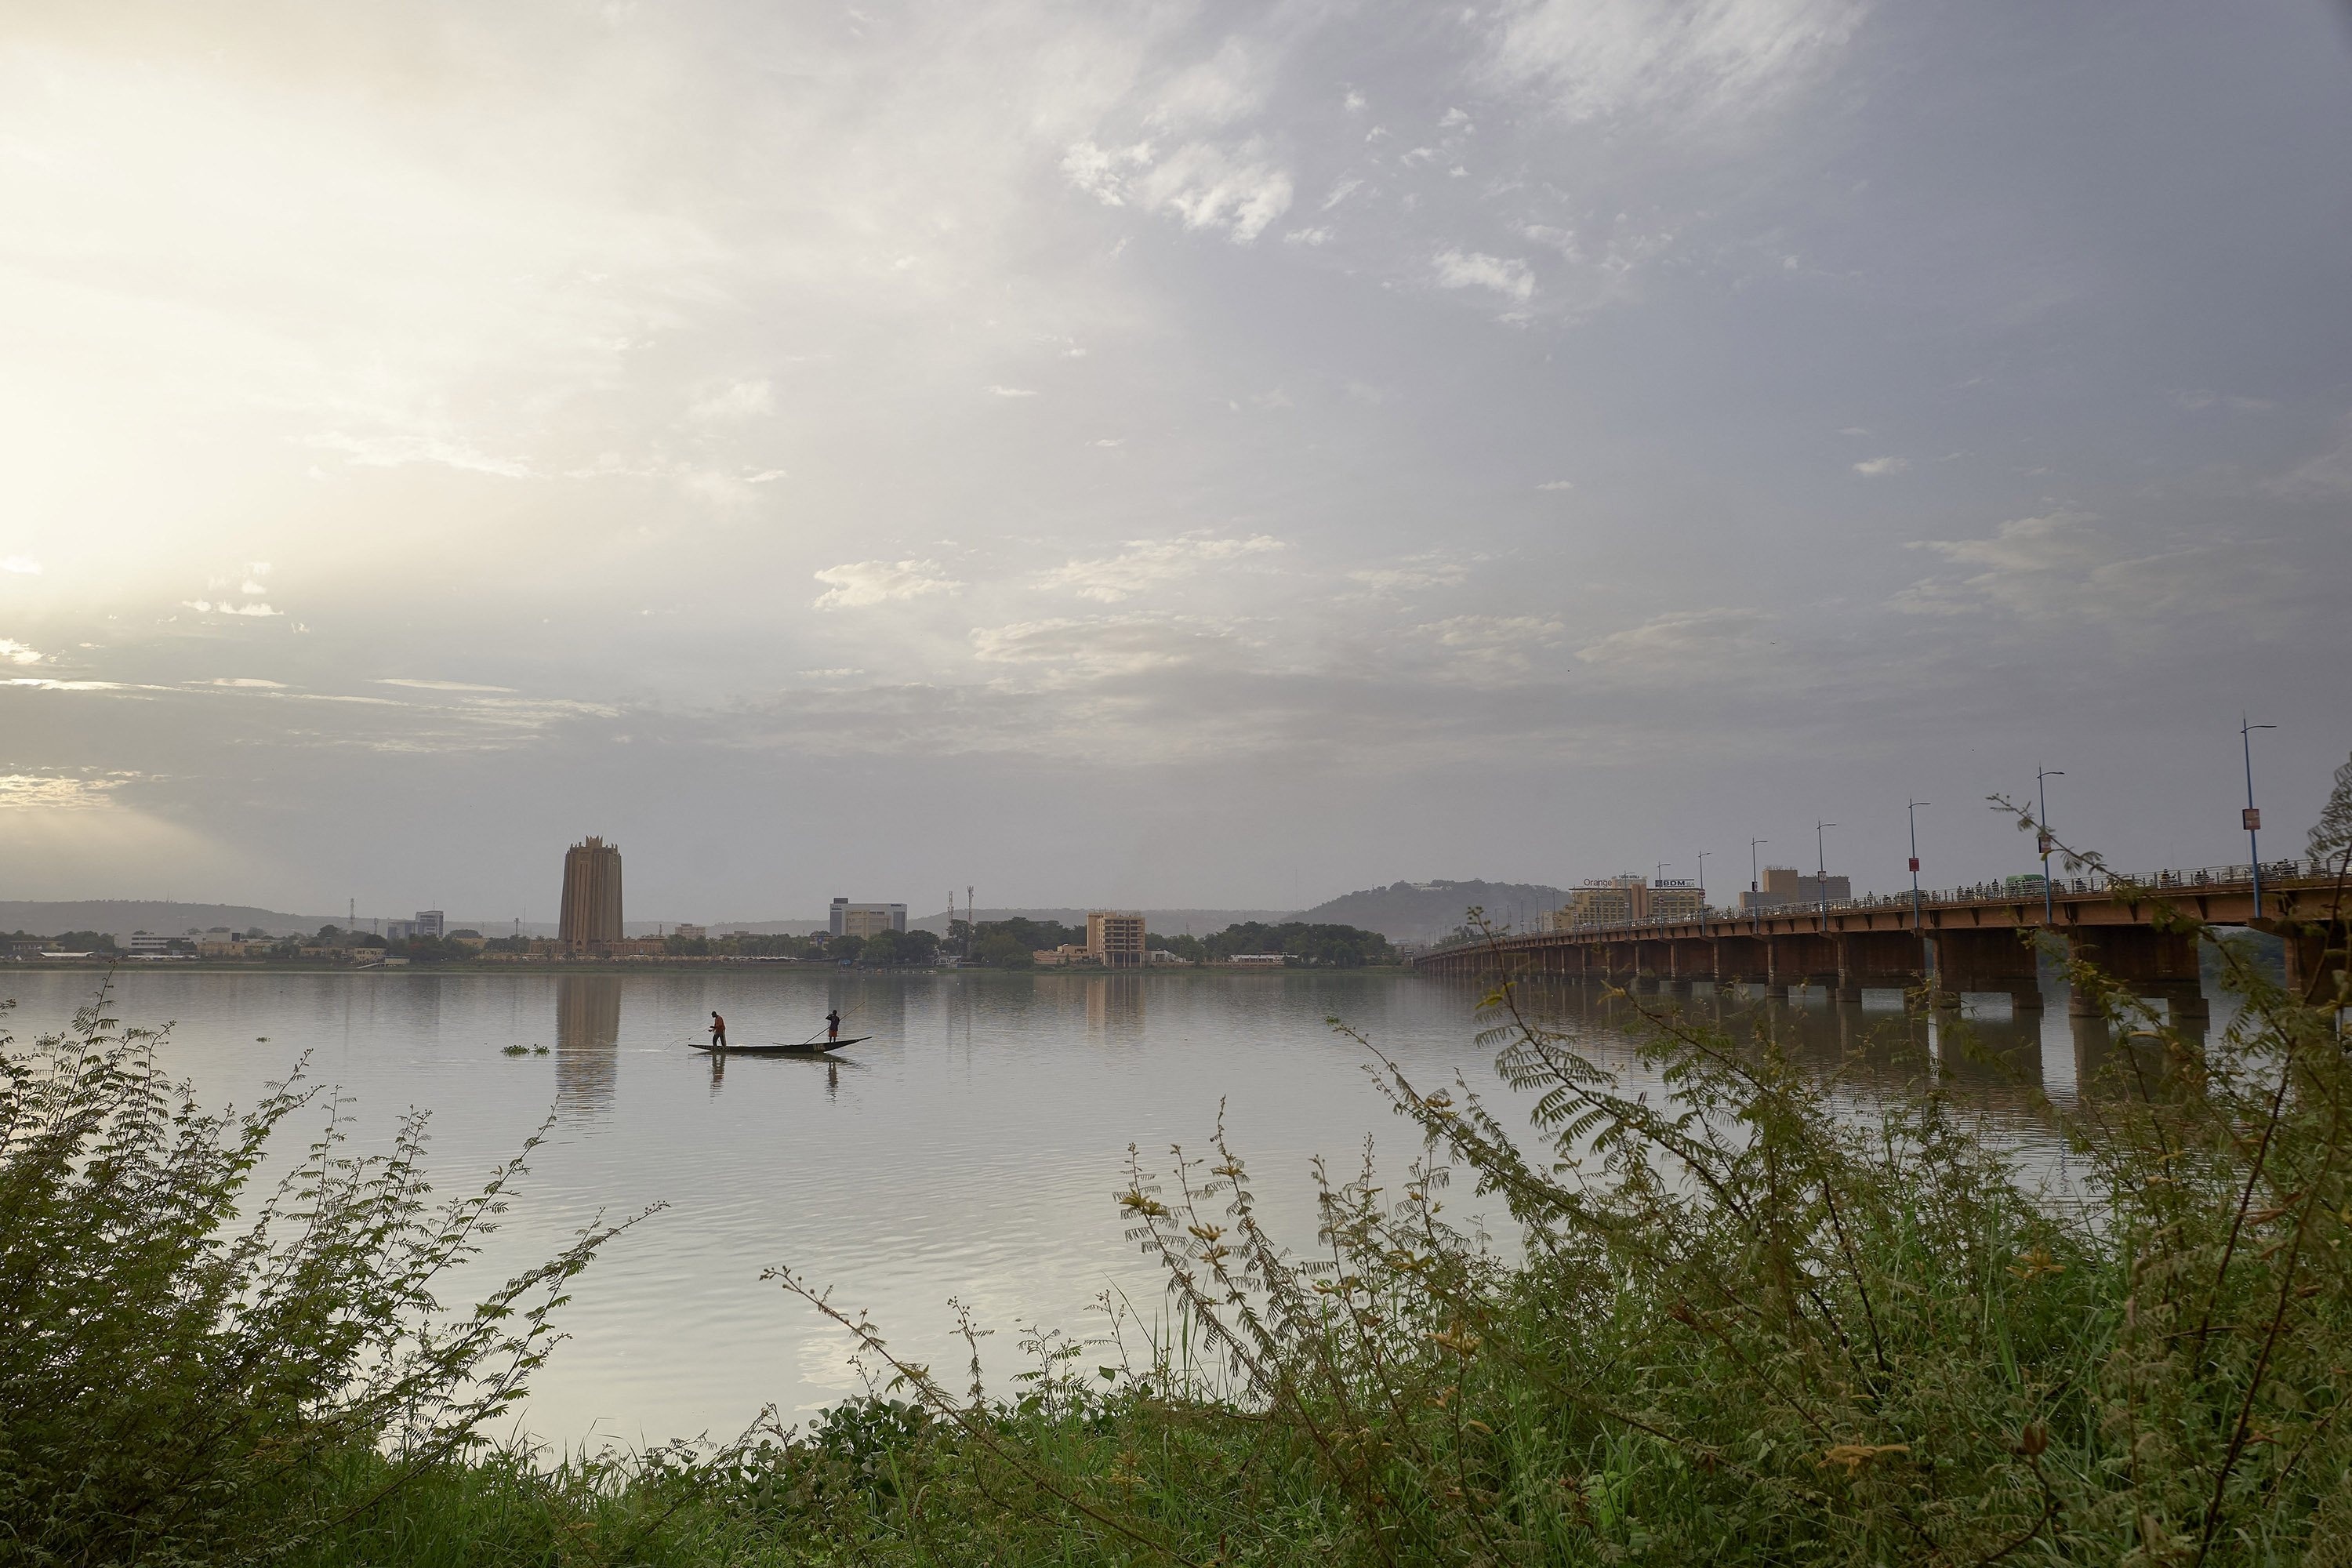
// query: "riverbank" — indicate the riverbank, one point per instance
point(1748, 1327)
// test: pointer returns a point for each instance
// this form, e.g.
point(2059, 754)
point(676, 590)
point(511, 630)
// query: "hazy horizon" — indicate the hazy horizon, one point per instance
point(1195, 455)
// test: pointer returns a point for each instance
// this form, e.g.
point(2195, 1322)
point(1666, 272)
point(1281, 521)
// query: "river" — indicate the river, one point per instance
point(970, 1150)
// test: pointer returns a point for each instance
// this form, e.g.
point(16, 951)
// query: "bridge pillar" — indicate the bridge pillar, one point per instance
point(2142, 959)
point(1990, 958)
point(2315, 958)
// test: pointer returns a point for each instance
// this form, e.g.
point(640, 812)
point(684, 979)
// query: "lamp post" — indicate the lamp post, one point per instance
point(1918, 925)
point(2042, 777)
point(1822, 871)
point(1912, 807)
point(1755, 901)
point(1702, 891)
point(2253, 817)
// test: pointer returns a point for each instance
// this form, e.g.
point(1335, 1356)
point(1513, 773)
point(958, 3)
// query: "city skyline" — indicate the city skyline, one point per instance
point(1148, 457)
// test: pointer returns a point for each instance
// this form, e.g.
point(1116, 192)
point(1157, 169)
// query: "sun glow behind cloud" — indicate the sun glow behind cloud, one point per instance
point(1141, 387)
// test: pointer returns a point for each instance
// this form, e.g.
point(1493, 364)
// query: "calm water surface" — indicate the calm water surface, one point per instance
point(970, 1150)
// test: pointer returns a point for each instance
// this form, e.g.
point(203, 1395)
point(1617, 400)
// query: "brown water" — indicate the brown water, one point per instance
point(970, 1150)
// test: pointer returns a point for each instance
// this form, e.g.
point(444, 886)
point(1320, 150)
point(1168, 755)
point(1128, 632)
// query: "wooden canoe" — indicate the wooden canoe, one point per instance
point(808, 1049)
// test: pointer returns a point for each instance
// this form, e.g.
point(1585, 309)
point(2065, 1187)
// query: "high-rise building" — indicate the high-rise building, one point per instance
point(1114, 940)
point(591, 895)
point(1784, 886)
point(428, 923)
point(866, 920)
point(1608, 901)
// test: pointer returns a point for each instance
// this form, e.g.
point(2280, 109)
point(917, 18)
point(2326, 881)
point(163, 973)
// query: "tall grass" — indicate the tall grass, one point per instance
point(1741, 1325)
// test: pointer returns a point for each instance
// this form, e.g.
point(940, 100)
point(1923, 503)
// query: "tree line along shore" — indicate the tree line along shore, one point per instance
point(1016, 943)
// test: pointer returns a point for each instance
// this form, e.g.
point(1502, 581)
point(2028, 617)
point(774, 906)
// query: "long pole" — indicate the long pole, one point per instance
point(2042, 777)
point(1918, 925)
point(1822, 870)
point(1755, 903)
point(1914, 806)
point(1702, 891)
point(2254, 818)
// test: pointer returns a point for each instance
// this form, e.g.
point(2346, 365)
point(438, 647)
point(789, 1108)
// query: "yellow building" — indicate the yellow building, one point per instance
point(1610, 900)
point(1672, 901)
point(1115, 941)
point(1613, 900)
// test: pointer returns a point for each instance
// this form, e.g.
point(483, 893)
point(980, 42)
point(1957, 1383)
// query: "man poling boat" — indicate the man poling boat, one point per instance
point(808, 1047)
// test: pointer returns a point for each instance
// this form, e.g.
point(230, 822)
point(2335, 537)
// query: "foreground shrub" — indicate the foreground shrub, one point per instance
point(1751, 1325)
point(183, 1377)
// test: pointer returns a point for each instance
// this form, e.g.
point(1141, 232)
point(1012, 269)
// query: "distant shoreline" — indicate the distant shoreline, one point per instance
point(672, 965)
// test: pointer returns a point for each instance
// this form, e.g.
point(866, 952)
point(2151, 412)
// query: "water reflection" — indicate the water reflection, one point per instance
point(969, 1149)
point(1115, 1008)
point(587, 1043)
point(1877, 1046)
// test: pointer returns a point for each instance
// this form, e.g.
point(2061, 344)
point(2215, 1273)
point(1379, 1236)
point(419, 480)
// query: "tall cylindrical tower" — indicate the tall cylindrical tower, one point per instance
point(591, 895)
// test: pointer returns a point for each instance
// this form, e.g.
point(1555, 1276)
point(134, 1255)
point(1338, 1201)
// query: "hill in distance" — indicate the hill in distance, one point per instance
point(1423, 912)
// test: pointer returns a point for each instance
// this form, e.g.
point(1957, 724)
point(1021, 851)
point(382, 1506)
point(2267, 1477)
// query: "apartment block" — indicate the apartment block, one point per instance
point(1114, 940)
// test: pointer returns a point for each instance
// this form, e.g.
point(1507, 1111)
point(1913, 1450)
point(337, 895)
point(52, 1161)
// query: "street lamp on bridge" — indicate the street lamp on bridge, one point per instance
point(2253, 817)
point(1702, 890)
point(2042, 777)
point(1755, 903)
point(1822, 870)
point(1913, 807)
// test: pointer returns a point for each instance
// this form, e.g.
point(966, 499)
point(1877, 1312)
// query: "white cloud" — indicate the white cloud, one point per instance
point(1557, 485)
point(1407, 576)
point(856, 585)
point(2063, 566)
point(1011, 392)
point(54, 792)
point(23, 563)
point(1144, 564)
point(2325, 476)
point(737, 400)
point(764, 477)
point(437, 684)
point(1695, 59)
point(1238, 189)
point(1476, 269)
point(1878, 467)
point(243, 681)
point(1229, 87)
point(14, 652)
point(1487, 649)
point(1317, 236)
point(1102, 645)
point(399, 450)
point(1678, 637)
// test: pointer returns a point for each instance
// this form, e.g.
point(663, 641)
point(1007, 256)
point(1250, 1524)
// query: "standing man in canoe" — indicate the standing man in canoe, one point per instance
point(718, 1032)
point(833, 1025)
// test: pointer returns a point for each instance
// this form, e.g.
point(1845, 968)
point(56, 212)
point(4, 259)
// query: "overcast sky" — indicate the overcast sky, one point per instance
point(1157, 453)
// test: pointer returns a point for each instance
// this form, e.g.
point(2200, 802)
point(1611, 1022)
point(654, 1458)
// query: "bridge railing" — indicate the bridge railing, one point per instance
point(2175, 878)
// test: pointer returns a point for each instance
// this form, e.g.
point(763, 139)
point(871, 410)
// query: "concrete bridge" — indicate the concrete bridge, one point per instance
point(1959, 941)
